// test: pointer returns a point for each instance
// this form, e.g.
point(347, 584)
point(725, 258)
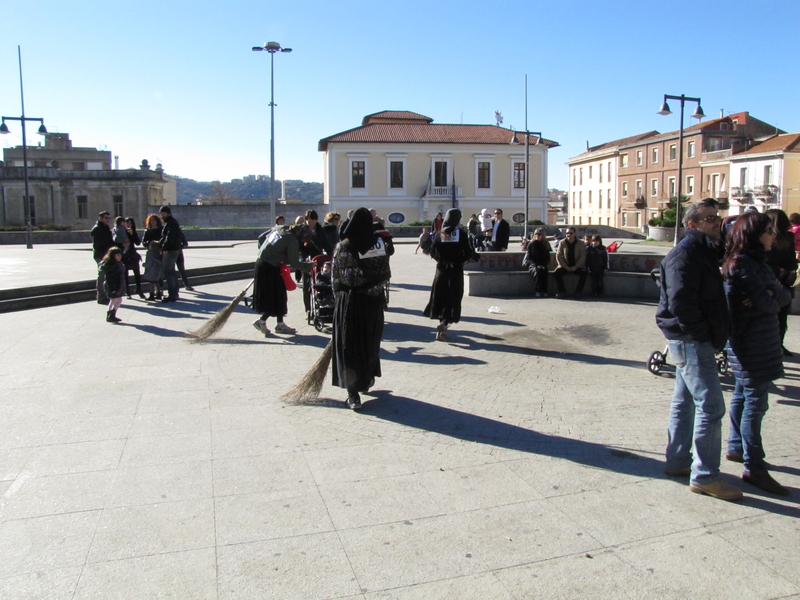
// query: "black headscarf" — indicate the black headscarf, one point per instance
point(359, 231)
point(451, 221)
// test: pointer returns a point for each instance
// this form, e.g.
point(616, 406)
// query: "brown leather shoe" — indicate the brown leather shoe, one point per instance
point(765, 481)
point(734, 457)
point(717, 489)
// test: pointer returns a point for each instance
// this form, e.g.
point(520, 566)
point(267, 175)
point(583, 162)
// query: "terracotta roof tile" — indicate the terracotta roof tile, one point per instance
point(395, 115)
point(417, 133)
point(788, 142)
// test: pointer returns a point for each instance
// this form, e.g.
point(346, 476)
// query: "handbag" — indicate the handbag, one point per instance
point(288, 280)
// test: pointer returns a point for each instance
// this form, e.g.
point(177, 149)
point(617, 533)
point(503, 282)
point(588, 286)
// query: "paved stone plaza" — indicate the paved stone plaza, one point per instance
point(522, 460)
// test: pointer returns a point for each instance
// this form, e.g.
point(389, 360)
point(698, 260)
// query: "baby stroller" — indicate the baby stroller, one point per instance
point(322, 301)
point(658, 359)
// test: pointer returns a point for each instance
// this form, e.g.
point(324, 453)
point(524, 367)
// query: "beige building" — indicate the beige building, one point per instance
point(69, 186)
point(767, 176)
point(409, 168)
point(592, 194)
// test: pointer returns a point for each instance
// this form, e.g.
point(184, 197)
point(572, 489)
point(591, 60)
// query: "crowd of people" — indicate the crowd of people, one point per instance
point(115, 251)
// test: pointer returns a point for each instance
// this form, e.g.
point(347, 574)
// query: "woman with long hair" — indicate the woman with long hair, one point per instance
point(754, 297)
point(783, 261)
point(114, 284)
point(360, 268)
point(450, 249)
point(131, 257)
point(154, 226)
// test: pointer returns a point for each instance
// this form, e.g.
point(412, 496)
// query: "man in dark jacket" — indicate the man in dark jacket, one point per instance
point(102, 240)
point(693, 315)
point(501, 232)
point(171, 245)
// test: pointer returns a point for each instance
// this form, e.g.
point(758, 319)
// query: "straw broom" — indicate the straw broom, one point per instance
point(310, 385)
point(217, 322)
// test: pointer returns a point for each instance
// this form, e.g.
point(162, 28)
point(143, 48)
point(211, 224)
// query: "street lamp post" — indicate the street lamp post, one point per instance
point(272, 48)
point(698, 114)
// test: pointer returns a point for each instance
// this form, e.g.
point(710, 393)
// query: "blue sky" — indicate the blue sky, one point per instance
point(176, 81)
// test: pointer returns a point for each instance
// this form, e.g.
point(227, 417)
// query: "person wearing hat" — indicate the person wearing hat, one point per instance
point(450, 249)
point(171, 244)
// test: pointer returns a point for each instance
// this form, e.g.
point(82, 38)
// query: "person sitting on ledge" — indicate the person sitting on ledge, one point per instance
point(571, 259)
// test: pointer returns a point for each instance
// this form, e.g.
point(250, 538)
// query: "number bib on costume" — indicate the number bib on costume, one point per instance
point(454, 237)
point(379, 249)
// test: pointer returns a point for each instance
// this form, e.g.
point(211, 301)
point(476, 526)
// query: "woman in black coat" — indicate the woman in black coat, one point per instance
point(537, 260)
point(450, 249)
point(754, 297)
point(130, 257)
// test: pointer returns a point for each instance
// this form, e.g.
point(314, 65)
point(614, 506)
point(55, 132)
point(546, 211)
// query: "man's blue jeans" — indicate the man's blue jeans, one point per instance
point(748, 406)
point(695, 418)
point(170, 274)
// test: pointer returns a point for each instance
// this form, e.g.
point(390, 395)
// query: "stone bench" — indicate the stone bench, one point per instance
point(519, 283)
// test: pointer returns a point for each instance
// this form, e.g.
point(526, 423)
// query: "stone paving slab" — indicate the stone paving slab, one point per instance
point(522, 460)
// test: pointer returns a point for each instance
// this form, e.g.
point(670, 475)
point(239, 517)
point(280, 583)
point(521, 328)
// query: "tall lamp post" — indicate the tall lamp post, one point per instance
point(698, 114)
point(42, 131)
point(272, 48)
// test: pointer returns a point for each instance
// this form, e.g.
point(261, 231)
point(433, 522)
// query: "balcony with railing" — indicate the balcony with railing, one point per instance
point(765, 191)
point(443, 191)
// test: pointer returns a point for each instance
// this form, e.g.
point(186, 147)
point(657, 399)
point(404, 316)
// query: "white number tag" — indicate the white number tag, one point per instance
point(379, 249)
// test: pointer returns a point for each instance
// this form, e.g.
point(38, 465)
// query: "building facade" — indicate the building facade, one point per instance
point(767, 176)
point(646, 176)
point(592, 196)
point(409, 168)
point(69, 186)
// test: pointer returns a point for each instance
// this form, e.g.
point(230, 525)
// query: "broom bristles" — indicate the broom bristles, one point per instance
point(310, 385)
point(217, 322)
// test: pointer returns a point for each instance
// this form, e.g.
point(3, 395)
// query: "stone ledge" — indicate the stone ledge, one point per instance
point(519, 283)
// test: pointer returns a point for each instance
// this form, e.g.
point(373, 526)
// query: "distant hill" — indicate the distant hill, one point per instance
point(190, 190)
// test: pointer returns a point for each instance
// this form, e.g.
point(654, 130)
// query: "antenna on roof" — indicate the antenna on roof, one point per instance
point(498, 117)
point(587, 145)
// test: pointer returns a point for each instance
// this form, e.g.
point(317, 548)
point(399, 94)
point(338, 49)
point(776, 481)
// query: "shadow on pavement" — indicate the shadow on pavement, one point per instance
point(481, 430)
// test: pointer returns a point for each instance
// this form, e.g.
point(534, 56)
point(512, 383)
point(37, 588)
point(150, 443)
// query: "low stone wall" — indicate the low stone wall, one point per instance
point(512, 261)
point(519, 283)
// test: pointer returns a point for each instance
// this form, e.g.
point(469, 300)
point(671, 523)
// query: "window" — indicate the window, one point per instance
point(580, 176)
point(580, 200)
point(484, 179)
point(624, 189)
point(83, 207)
point(599, 198)
point(714, 185)
point(573, 200)
point(655, 156)
point(396, 218)
point(608, 198)
point(743, 177)
point(519, 176)
point(359, 171)
point(689, 185)
point(609, 171)
point(573, 176)
point(623, 160)
point(396, 174)
point(590, 171)
point(639, 188)
point(625, 219)
point(654, 187)
point(440, 173)
point(32, 208)
point(590, 197)
point(690, 150)
point(518, 218)
point(117, 200)
point(600, 174)
point(767, 174)
point(590, 221)
point(673, 152)
point(672, 187)
point(639, 157)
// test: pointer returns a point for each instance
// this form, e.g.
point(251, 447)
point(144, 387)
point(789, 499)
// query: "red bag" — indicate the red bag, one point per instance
point(288, 280)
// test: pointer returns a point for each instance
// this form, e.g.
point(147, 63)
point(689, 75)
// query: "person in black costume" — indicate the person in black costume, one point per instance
point(360, 268)
point(537, 261)
point(450, 249)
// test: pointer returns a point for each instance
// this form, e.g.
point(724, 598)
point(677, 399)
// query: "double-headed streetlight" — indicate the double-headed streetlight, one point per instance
point(272, 48)
point(42, 131)
point(698, 114)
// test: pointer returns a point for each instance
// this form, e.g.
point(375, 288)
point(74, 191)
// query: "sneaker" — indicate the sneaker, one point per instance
point(188, 288)
point(717, 489)
point(765, 481)
point(261, 326)
point(284, 328)
point(561, 296)
point(678, 472)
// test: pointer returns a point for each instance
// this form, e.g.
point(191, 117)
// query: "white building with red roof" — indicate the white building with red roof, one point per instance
point(409, 168)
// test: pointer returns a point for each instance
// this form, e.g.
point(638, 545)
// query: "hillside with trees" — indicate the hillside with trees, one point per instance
point(248, 188)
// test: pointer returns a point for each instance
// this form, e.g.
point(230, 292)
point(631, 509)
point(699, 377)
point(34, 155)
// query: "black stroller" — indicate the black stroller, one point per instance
point(322, 301)
point(658, 359)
